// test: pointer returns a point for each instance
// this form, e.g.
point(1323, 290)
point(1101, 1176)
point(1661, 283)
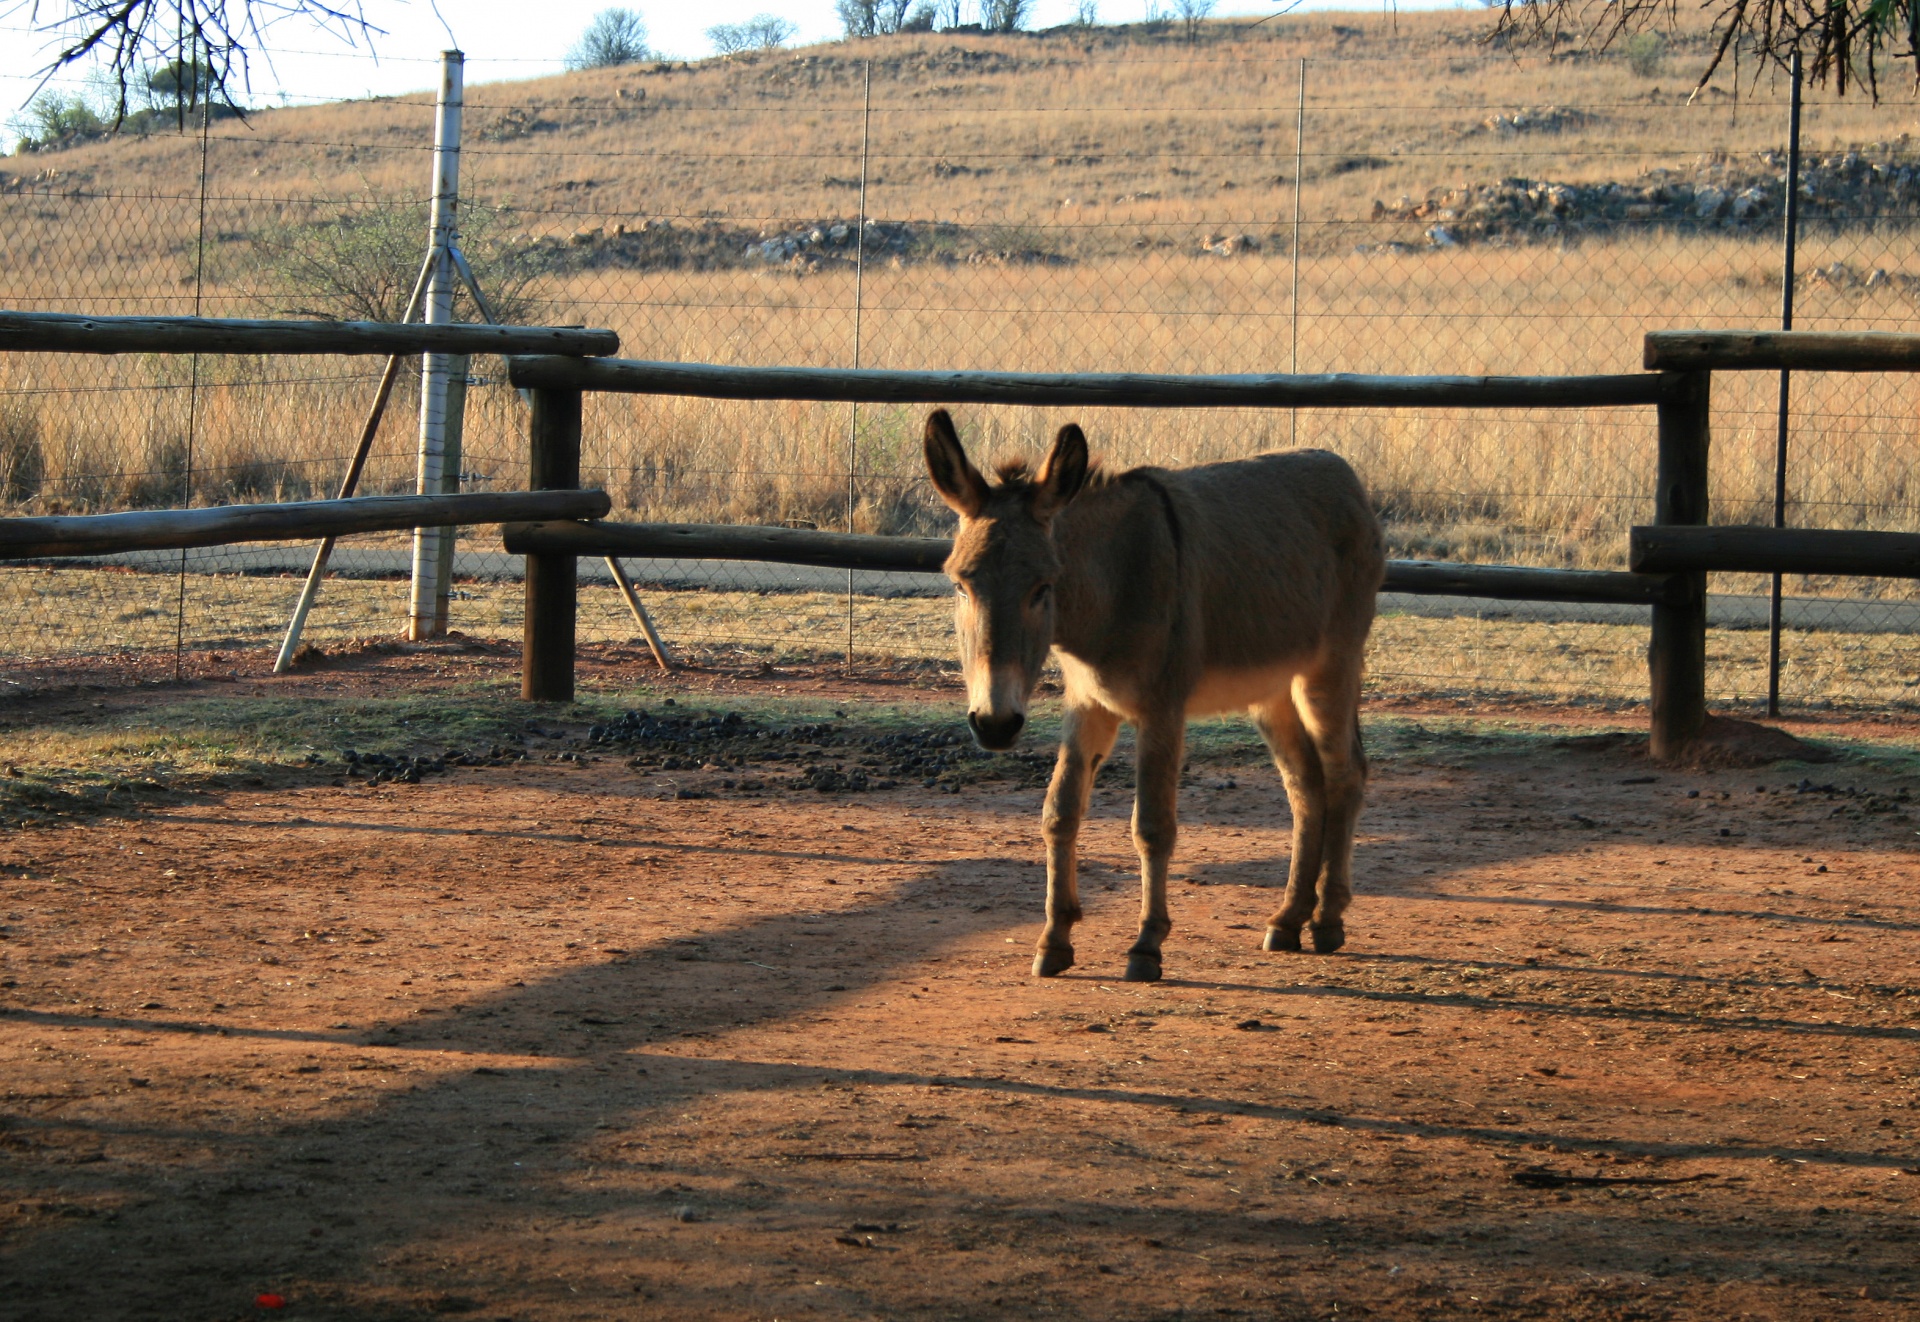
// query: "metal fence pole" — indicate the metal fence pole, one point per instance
point(1293, 303)
point(1791, 222)
point(425, 612)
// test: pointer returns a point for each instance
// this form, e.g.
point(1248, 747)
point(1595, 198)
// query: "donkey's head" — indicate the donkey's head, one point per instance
point(1003, 569)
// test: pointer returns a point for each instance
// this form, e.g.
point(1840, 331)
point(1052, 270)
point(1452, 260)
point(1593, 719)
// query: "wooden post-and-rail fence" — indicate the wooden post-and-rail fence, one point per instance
point(557, 365)
point(1677, 656)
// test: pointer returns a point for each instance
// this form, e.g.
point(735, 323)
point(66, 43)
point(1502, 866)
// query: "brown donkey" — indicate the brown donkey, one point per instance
point(1166, 594)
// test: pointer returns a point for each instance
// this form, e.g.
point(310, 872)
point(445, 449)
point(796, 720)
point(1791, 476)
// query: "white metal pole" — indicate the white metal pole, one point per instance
point(423, 617)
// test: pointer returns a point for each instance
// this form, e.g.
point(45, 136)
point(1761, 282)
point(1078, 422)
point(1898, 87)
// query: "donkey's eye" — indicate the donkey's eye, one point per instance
point(960, 591)
point(1040, 596)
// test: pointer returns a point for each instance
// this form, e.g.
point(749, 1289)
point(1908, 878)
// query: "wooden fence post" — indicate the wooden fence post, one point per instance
point(546, 658)
point(1677, 655)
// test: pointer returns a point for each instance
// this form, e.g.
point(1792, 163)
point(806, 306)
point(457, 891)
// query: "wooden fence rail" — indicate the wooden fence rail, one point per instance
point(1776, 551)
point(222, 525)
point(59, 332)
point(1796, 351)
point(925, 555)
point(1089, 389)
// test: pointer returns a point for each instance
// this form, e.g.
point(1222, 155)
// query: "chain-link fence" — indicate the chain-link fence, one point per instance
point(1260, 200)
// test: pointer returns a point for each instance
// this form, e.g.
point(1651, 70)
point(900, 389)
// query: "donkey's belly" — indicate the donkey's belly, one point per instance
point(1240, 688)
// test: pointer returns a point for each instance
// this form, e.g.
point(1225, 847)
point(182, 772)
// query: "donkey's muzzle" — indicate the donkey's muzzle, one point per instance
point(996, 732)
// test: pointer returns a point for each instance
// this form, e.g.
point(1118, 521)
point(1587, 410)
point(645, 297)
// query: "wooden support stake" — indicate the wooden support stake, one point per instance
point(547, 649)
point(645, 621)
point(1677, 655)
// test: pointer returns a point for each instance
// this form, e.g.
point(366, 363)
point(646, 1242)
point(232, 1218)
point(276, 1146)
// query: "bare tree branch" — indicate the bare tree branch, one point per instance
point(1840, 42)
point(131, 37)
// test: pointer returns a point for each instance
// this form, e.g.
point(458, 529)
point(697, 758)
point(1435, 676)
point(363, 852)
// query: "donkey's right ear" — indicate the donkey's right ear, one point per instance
point(954, 476)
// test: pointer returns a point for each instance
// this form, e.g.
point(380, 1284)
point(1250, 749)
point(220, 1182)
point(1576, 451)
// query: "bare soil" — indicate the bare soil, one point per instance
point(546, 1040)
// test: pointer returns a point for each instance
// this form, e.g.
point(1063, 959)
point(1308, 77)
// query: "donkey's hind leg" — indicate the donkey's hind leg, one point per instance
point(1156, 801)
point(1329, 706)
point(1293, 752)
point(1084, 744)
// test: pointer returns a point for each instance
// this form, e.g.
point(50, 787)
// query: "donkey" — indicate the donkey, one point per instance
point(1167, 594)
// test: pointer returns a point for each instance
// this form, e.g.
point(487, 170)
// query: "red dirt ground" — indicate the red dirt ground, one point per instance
point(534, 1043)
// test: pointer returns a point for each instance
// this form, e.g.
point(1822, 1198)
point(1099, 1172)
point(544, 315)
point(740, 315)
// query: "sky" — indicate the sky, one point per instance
point(301, 64)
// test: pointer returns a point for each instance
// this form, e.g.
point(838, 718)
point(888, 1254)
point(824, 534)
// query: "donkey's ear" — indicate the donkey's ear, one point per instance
point(954, 476)
point(1063, 474)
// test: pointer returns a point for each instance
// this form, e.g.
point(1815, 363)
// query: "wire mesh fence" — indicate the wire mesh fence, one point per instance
point(1249, 203)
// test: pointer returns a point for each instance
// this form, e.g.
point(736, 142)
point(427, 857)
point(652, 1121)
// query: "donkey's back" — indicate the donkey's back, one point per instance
point(1279, 558)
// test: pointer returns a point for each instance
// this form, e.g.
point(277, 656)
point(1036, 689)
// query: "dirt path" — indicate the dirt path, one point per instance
point(533, 1041)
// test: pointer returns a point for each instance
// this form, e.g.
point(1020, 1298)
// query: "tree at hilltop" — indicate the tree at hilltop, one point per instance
point(613, 38)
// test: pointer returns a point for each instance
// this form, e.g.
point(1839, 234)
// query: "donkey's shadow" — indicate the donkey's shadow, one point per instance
point(1269, 873)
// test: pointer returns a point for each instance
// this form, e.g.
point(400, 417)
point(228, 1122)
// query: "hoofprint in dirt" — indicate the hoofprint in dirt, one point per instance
point(534, 1041)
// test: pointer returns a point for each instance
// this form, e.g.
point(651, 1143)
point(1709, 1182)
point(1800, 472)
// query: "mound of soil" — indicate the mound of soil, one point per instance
point(1727, 742)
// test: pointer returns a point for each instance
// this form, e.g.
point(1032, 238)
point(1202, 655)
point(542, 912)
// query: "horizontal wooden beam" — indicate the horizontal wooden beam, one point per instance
point(1668, 549)
point(925, 555)
point(59, 332)
point(222, 525)
point(726, 541)
point(1800, 351)
point(1088, 390)
point(1440, 578)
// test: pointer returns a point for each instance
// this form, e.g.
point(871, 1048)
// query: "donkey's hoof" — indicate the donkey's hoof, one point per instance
point(1282, 938)
point(1327, 937)
point(1143, 966)
point(1052, 961)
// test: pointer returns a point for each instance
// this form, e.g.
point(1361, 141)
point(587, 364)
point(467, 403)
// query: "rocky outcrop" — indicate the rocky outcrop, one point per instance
point(801, 249)
point(1718, 194)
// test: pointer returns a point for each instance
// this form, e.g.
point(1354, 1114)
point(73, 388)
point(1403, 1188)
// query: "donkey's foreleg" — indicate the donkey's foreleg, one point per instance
point(1085, 741)
point(1299, 763)
point(1155, 827)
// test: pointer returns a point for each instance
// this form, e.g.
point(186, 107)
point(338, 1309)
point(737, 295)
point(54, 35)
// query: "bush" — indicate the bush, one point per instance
point(22, 460)
point(361, 265)
point(53, 120)
point(1646, 53)
point(615, 37)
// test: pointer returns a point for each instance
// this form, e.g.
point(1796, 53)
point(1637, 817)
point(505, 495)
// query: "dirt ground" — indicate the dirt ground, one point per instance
point(554, 1037)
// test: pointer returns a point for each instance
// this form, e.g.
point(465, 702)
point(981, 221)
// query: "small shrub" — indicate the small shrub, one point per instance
point(361, 264)
point(23, 462)
point(1646, 53)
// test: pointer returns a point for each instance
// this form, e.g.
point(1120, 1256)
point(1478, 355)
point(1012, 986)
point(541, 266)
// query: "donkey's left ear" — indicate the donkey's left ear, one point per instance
point(1063, 474)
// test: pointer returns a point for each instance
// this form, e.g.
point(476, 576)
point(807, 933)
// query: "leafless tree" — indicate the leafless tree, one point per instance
point(761, 32)
point(614, 37)
point(1839, 41)
point(1005, 15)
point(128, 37)
point(1192, 14)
